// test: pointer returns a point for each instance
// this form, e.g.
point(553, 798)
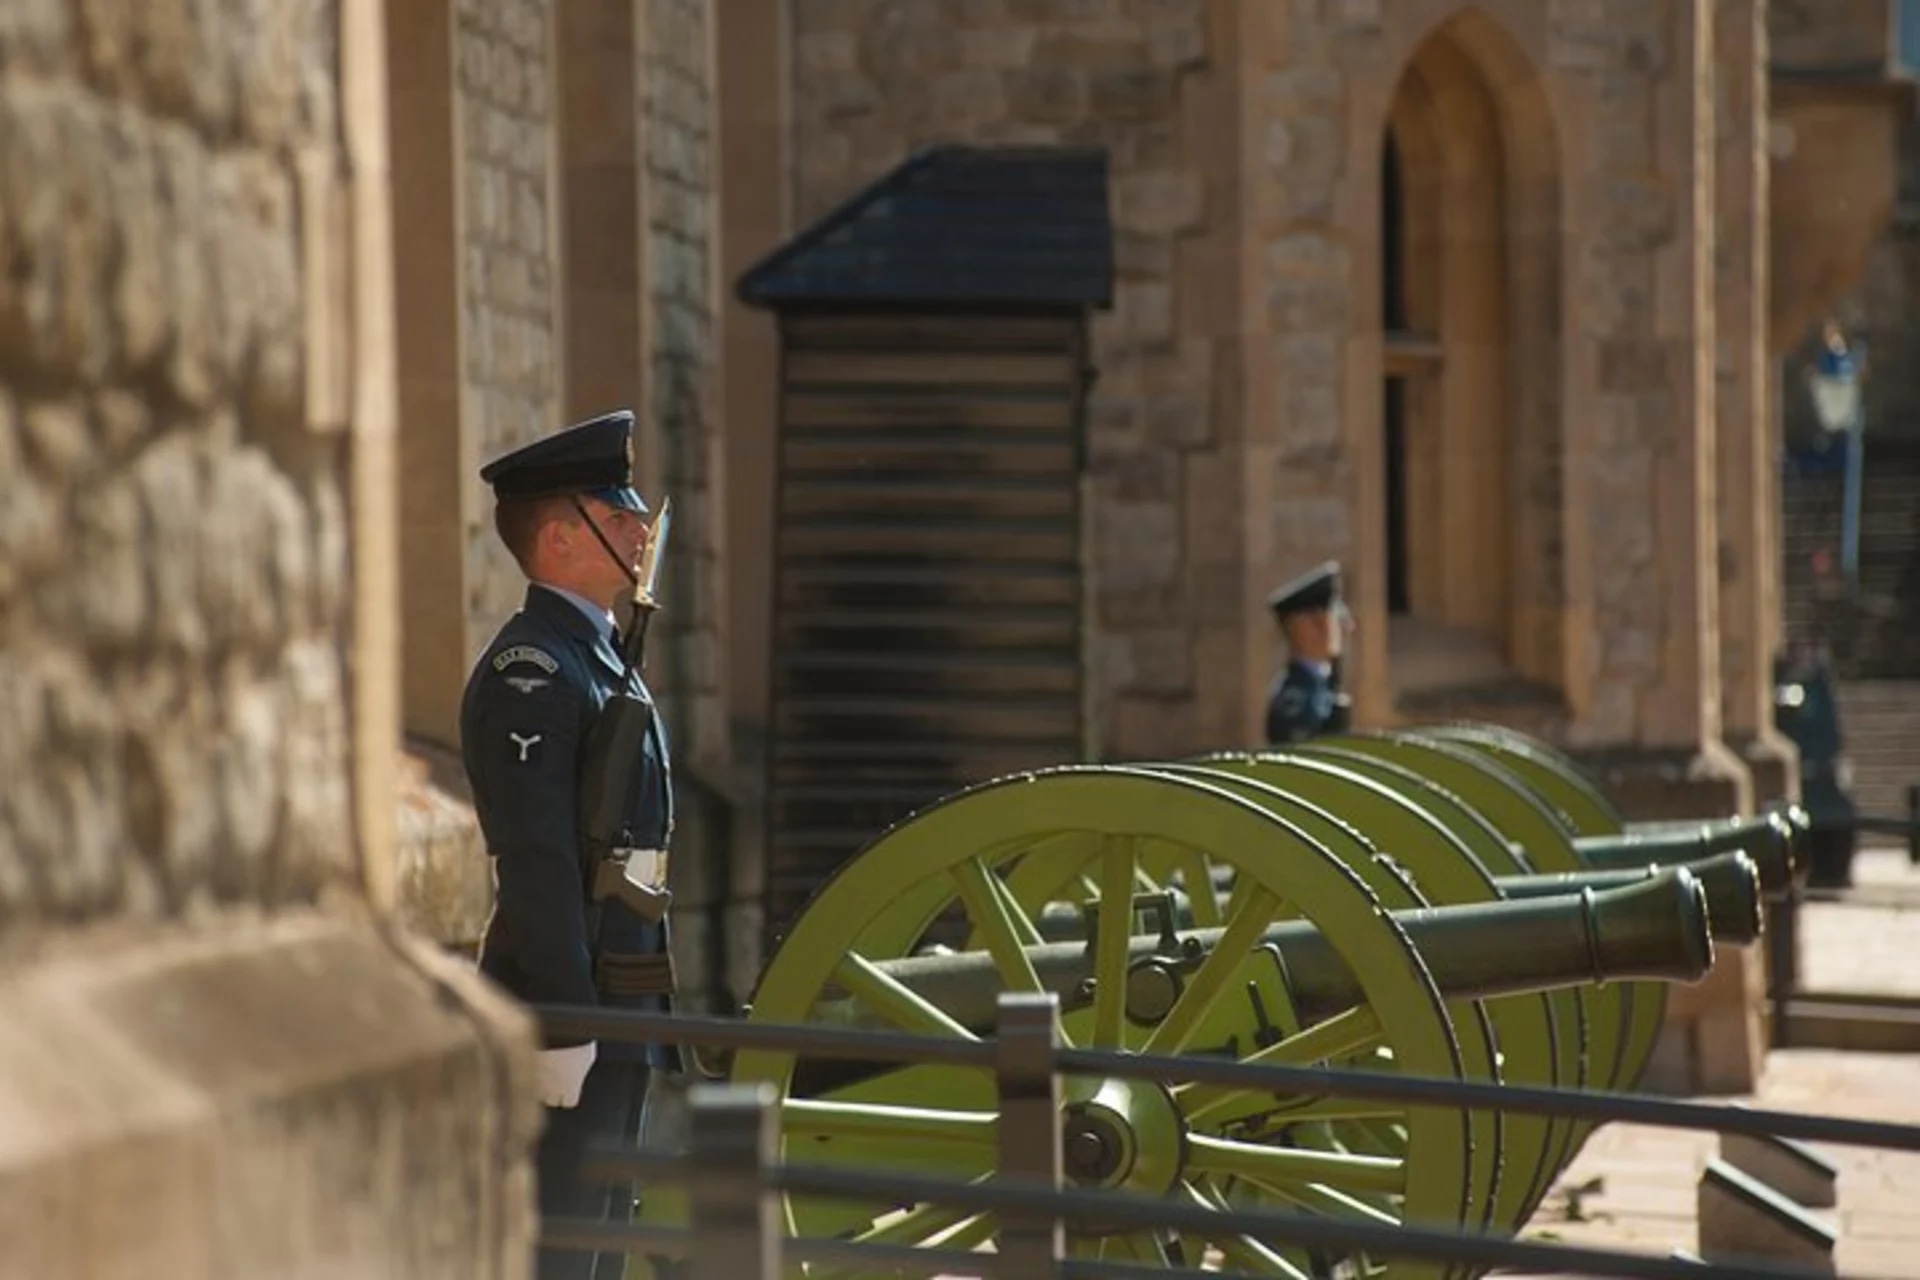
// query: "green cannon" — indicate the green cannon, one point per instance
point(1653, 927)
point(1429, 901)
point(1732, 882)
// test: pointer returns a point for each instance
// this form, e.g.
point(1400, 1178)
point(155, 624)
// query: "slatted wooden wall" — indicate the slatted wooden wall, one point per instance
point(927, 572)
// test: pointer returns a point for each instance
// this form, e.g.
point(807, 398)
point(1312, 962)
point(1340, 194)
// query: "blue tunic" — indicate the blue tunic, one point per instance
point(1302, 704)
point(530, 702)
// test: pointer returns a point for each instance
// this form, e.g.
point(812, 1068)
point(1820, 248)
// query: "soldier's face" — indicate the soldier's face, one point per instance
point(1317, 635)
point(625, 531)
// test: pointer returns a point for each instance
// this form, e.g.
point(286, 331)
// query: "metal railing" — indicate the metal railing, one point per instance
point(734, 1176)
point(1787, 990)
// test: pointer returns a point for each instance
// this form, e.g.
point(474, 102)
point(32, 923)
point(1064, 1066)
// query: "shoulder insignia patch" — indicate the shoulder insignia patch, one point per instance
point(525, 653)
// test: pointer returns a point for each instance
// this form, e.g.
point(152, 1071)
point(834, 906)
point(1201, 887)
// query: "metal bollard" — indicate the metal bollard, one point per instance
point(736, 1221)
point(1032, 1243)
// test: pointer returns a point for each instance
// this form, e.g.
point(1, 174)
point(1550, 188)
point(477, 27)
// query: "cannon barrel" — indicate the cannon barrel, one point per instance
point(1731, 881)
point(1654, 928)
point(1770, 841)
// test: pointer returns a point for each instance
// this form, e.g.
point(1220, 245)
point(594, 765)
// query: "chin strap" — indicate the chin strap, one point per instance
point(606, 546)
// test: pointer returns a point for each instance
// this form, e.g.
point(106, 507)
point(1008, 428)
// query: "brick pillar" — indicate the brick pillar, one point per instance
point(601, 231)
point(1748, 473)
point(680, 326)
point(1655, 739)
point(755, 217)
point(434, 519)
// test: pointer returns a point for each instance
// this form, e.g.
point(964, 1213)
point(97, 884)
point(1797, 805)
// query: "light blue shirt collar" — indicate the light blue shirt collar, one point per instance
point(602, 619)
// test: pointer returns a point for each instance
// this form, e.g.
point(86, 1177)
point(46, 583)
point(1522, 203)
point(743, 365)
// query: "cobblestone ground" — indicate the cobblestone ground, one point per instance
point(1644, 1179)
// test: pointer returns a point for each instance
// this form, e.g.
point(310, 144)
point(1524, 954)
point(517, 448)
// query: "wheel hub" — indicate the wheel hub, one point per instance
point(1121, 1134)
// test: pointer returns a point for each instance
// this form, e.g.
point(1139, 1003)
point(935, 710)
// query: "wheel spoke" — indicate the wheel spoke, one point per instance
point(1115, 930)
point(1210, 980)
point(1023, 926)
point(916, 1227)
point(894, 1000)
point(1194, 869)
point(968, 1235)
point(991, 921)
point(811, 1118)
point(1345, 1033)
point(1326, 1201)
point(1244, 1252)
point(1224, 1157)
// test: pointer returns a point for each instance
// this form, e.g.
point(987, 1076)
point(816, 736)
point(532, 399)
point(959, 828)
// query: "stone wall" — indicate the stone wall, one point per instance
point(206, 1031)
point(1829, 35)
point(172, 535)
point(510, 338)
point(873, 82)
point(680, 303)
point(1229, 447)
point(681, 216)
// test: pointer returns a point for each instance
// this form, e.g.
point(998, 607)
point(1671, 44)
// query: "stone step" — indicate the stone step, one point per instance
point(1743, 1220)
point(1794, 1169)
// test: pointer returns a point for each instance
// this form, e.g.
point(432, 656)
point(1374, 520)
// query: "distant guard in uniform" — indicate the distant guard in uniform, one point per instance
point(1807, 710)
point(566, 508)
point(1306, 700)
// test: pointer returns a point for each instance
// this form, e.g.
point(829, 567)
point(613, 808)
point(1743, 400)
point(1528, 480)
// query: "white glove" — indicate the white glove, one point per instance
point(563, 1071)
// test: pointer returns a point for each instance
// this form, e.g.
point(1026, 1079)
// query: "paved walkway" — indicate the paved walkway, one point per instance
point(1634, 1187)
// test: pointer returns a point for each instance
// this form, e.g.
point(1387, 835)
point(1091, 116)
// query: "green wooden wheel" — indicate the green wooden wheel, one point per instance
point(1333, 817)
point(1550, 771)
point(950, 871)
point(1542, 842)
point(1559, 782)
point(1452, 855)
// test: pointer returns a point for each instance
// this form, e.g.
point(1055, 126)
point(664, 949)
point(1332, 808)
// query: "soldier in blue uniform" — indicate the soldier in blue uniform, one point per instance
point(566, 508)
point(1306, 700)
point(1807, 710)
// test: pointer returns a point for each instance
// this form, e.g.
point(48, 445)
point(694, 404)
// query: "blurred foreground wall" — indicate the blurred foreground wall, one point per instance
point(218, 1059)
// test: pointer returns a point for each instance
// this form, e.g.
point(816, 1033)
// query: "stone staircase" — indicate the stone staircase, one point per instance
point(1881, 720)
point(1876, 636)
point(1875, 639)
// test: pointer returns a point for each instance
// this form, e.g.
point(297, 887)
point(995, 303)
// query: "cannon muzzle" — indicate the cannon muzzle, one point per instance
point(1655, 927)
point(1772, 841)
point(1731, 881)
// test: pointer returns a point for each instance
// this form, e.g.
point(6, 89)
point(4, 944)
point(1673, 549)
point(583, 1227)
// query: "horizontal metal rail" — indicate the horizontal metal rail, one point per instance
point(883, 1046)
point(1402, 1241)
point(1142, 1212)
point(735, 1178)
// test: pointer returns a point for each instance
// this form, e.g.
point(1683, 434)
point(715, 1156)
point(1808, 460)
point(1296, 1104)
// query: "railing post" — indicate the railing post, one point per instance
point(733, 1141)
point(1783, 961)
point(1032, 1242)
point(1913, 823)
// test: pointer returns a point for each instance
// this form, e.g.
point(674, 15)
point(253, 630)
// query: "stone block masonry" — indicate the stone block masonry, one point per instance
point(679, 136)
point(215, 1061)
point(510, 387)
point(876, 81)
point(172, 535)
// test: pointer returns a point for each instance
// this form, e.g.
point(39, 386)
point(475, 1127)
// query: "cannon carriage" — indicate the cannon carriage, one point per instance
point(1456, 902)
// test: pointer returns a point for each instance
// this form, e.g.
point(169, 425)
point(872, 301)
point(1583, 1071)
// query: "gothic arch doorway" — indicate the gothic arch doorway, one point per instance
point(1471, 266)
